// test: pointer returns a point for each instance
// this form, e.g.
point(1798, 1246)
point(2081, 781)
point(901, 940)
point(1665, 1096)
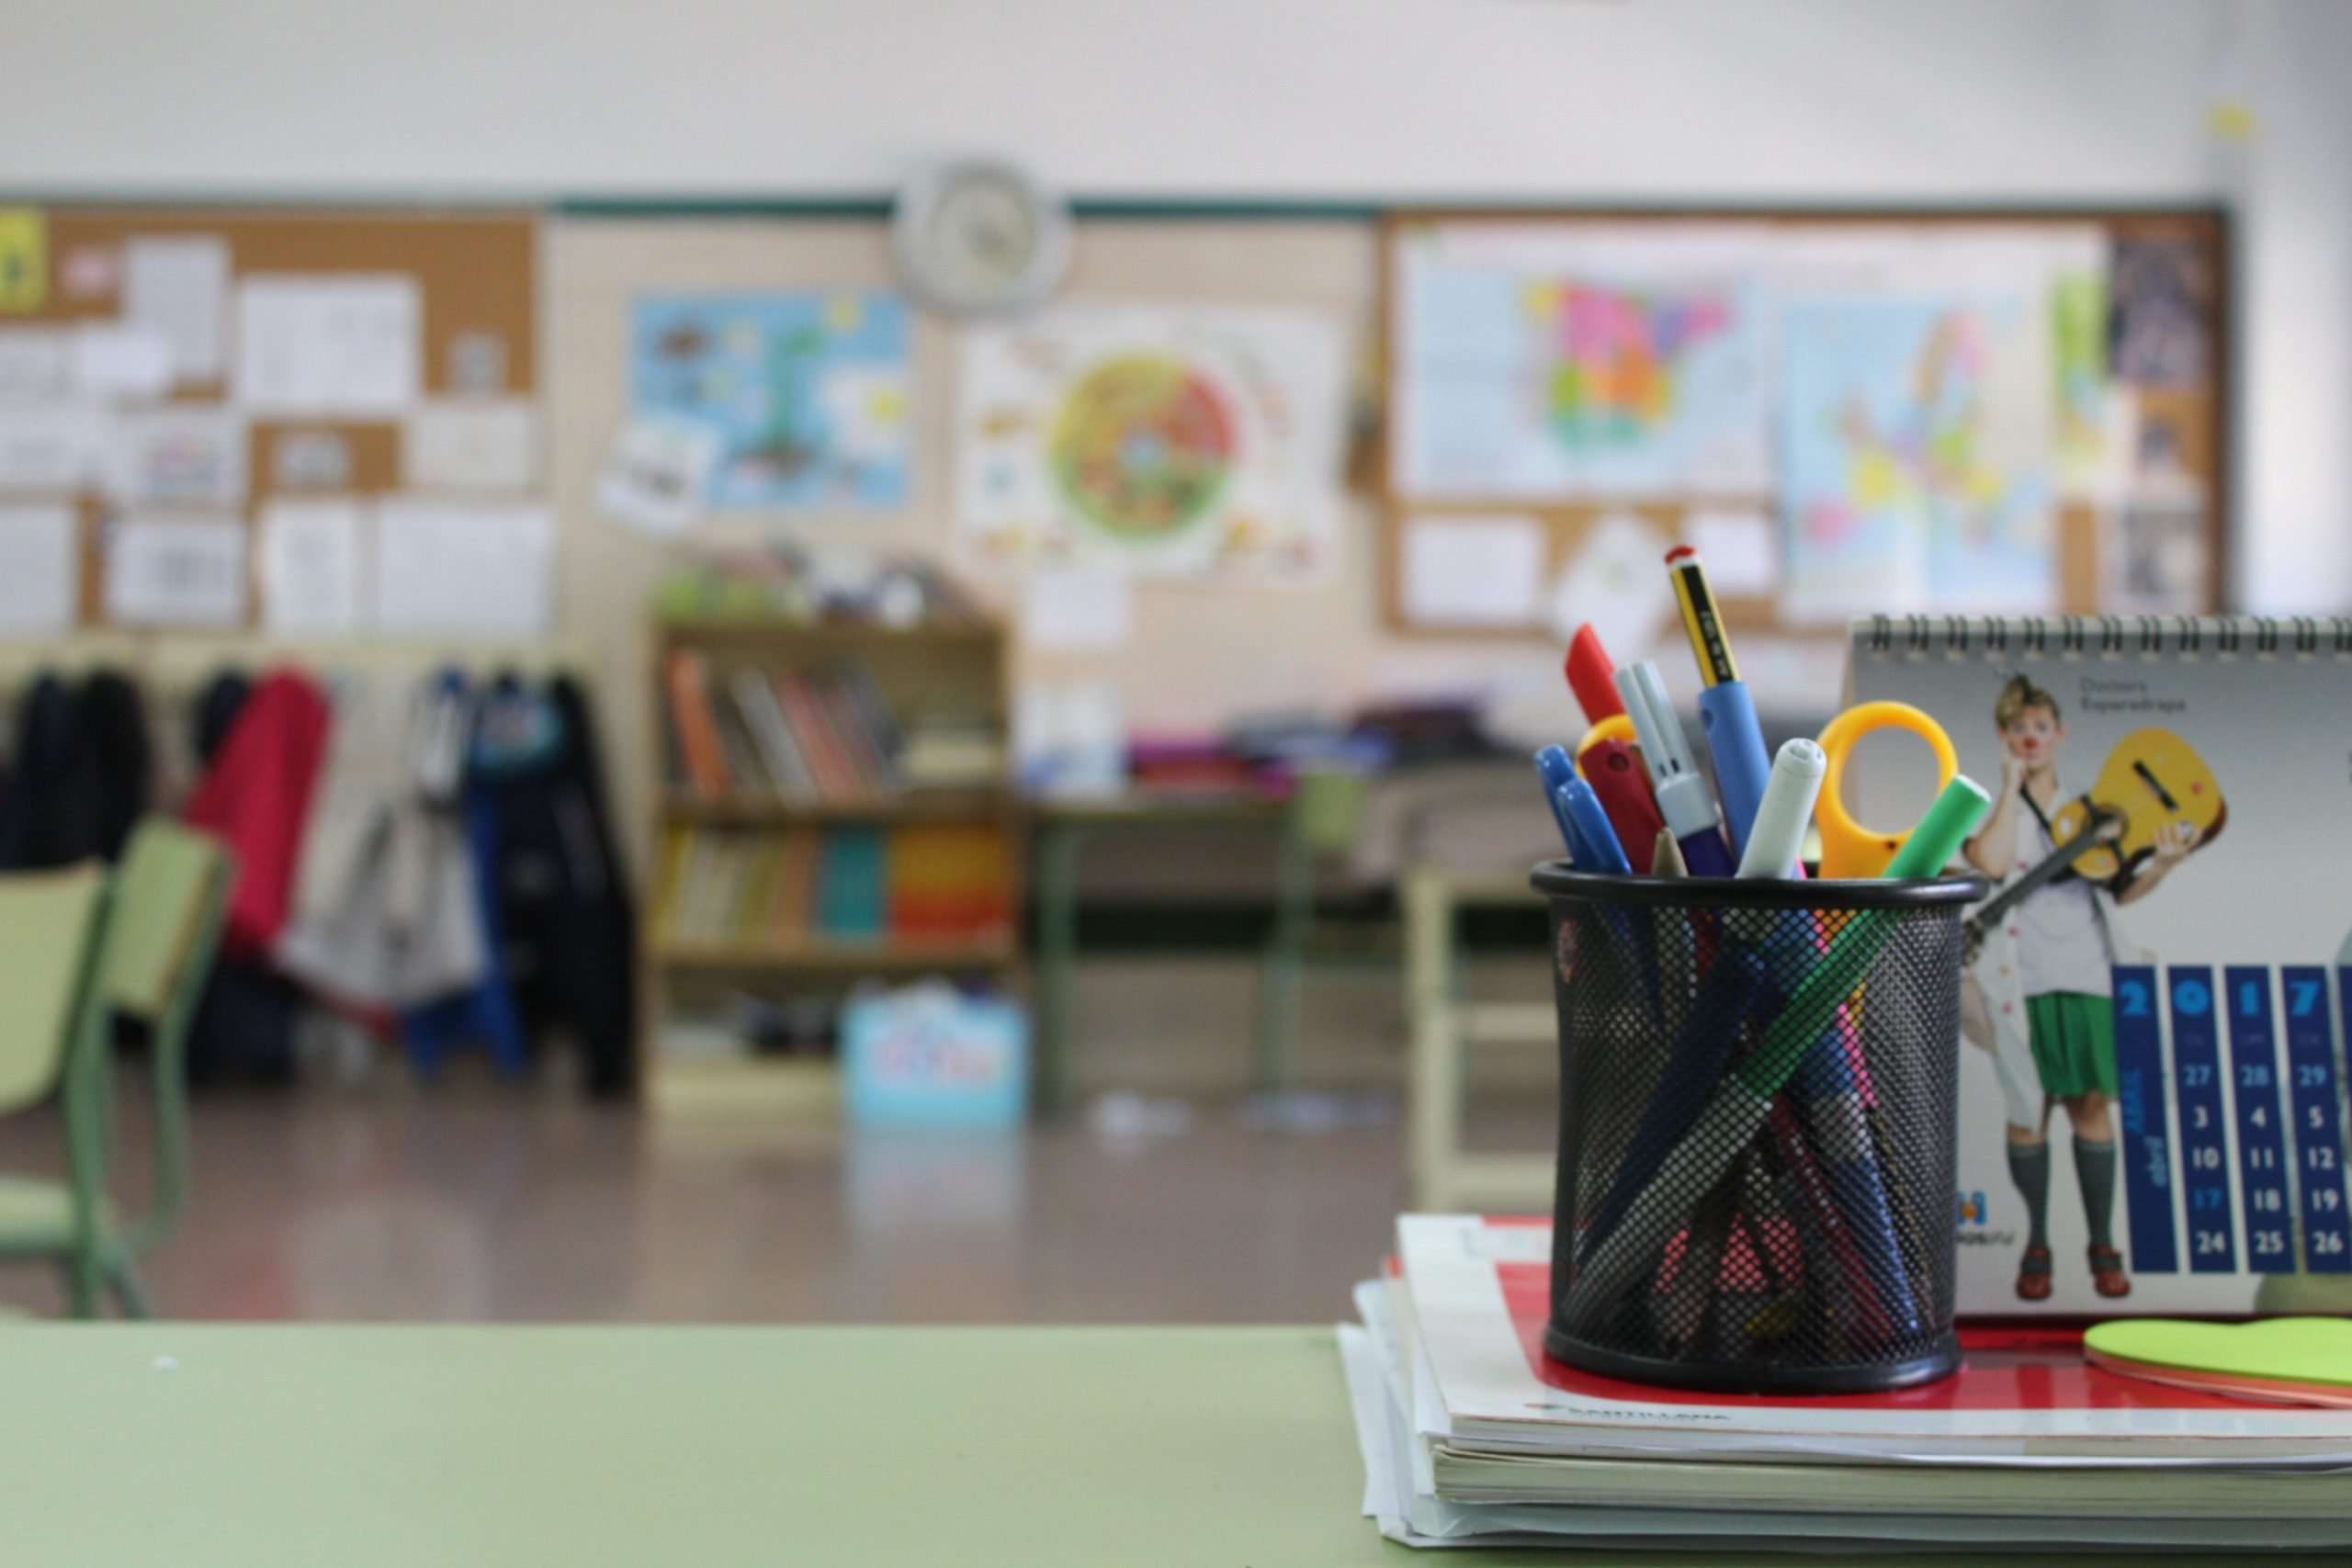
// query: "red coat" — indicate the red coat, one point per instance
point(256, 798)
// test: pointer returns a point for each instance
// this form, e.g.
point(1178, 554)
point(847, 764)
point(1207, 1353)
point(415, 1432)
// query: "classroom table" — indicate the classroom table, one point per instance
point(248, 1446)
point(1060, 832)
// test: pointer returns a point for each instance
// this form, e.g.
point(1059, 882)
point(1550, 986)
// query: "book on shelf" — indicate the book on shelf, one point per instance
point(696, 727)
point(788, 920)
point(803, 735)
point(952, 752)
point(829, 765)
point(923, 884)
point(780, 756)
point(852, 872)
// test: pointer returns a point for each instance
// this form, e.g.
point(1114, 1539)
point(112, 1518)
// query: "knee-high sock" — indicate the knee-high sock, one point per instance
point(2029, 1169)
point(2095, 1172)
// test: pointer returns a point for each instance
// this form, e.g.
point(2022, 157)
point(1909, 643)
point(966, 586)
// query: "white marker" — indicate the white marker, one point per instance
point(1777, 837)
point(1682, 796)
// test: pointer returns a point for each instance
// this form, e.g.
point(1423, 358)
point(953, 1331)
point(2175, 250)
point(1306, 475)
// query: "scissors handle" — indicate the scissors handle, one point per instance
point(1848, 848)
point(1614, 727)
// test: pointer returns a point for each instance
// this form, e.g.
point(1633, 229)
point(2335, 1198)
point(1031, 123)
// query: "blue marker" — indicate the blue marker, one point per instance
point(1558, 769)
point(1735, 741)
point(1582, 807)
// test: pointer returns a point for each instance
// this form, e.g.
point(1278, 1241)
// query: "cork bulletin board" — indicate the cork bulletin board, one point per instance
point(1564, 386)
point(439, 392)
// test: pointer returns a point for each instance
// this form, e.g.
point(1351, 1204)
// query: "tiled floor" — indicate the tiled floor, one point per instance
point(472, 1203)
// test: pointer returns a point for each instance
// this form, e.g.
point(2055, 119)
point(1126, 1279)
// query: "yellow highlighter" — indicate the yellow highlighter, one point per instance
point(1848, 848)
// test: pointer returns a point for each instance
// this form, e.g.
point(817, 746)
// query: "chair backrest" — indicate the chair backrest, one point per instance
point(1328, 807)
point(172, 878)
point(161, 932)
point(47, 920)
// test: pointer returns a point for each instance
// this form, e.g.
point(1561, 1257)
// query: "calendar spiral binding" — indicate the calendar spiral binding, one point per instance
point(2105, 637)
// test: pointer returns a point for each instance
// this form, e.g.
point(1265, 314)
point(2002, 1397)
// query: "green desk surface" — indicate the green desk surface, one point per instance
point(244, 1446)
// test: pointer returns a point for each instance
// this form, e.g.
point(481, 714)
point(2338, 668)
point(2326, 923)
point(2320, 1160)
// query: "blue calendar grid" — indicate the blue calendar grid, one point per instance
point(2230, 1117)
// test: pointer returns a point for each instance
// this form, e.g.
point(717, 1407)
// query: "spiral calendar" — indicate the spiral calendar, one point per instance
point(2154, 1113)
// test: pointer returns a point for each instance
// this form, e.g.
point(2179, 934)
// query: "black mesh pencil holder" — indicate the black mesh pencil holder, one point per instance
point(1759, 1091)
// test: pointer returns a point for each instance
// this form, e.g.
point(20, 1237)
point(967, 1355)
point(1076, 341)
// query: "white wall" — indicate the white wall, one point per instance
point(1529, 98)
point(1539, 99)
point(2294, 196)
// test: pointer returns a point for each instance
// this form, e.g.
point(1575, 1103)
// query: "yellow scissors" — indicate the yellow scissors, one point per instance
point(1616, 727)
point(1848, 848)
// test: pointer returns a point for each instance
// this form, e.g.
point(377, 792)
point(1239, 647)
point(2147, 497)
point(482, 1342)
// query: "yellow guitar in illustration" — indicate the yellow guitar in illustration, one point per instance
point(2152, 778)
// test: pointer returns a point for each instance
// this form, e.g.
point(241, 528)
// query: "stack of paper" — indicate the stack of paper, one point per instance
point(1471, 1434)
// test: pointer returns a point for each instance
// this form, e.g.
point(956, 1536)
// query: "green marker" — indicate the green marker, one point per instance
point(1721, 1130)
point(1929, 849)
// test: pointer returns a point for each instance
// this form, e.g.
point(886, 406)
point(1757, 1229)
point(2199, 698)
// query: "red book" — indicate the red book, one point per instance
point(836, 775)
point(696, 725)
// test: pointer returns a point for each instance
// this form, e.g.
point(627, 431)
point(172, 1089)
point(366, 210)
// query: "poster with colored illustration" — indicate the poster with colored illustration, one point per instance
point(1535, 364)
point(1167, 441)
point(1916, 464)
point(808, 393)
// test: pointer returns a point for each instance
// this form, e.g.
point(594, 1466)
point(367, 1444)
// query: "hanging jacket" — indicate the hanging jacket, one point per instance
point(117, 756)
point(256, 798)
point(567, 925)
point(216, 707)
point(82, 773)
point(243, 1028)
point(386, 912)
point(484, 1013)
point(32, 830)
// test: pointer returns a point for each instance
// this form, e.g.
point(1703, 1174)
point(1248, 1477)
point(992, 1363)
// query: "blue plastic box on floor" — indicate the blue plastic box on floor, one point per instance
point(932, 1055)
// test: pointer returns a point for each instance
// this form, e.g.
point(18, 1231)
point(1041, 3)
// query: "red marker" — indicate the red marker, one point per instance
point(1593, 678)
point(1618, 777)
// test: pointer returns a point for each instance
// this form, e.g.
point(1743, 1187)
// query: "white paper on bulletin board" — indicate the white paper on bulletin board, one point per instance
point(176, 287)
point(1472, 572)
point(34, 362)
point(49, 446)
point(470, 444)
point(176, 570)
point(349, 345)
point(40, 570)
point(310, 565)
point(191, 455)
point(1160, 440)
point(449, 566)
point(117, 359)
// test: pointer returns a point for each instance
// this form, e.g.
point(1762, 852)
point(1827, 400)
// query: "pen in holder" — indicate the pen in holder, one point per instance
point(1751, 1168)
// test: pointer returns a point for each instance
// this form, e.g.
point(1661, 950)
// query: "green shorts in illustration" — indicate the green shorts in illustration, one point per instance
point(2073, 1036)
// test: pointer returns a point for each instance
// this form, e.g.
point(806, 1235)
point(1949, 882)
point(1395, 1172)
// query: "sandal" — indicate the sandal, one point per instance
point(2107, 1272)
point(2033, 1275)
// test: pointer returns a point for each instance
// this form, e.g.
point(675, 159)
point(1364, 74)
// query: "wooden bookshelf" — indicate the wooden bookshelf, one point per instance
point(914, 805)
point(835, 957)
point(961, 667)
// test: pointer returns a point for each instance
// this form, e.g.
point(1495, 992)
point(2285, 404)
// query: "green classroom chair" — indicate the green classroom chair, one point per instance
point(73, 956)
point(1327, 811)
